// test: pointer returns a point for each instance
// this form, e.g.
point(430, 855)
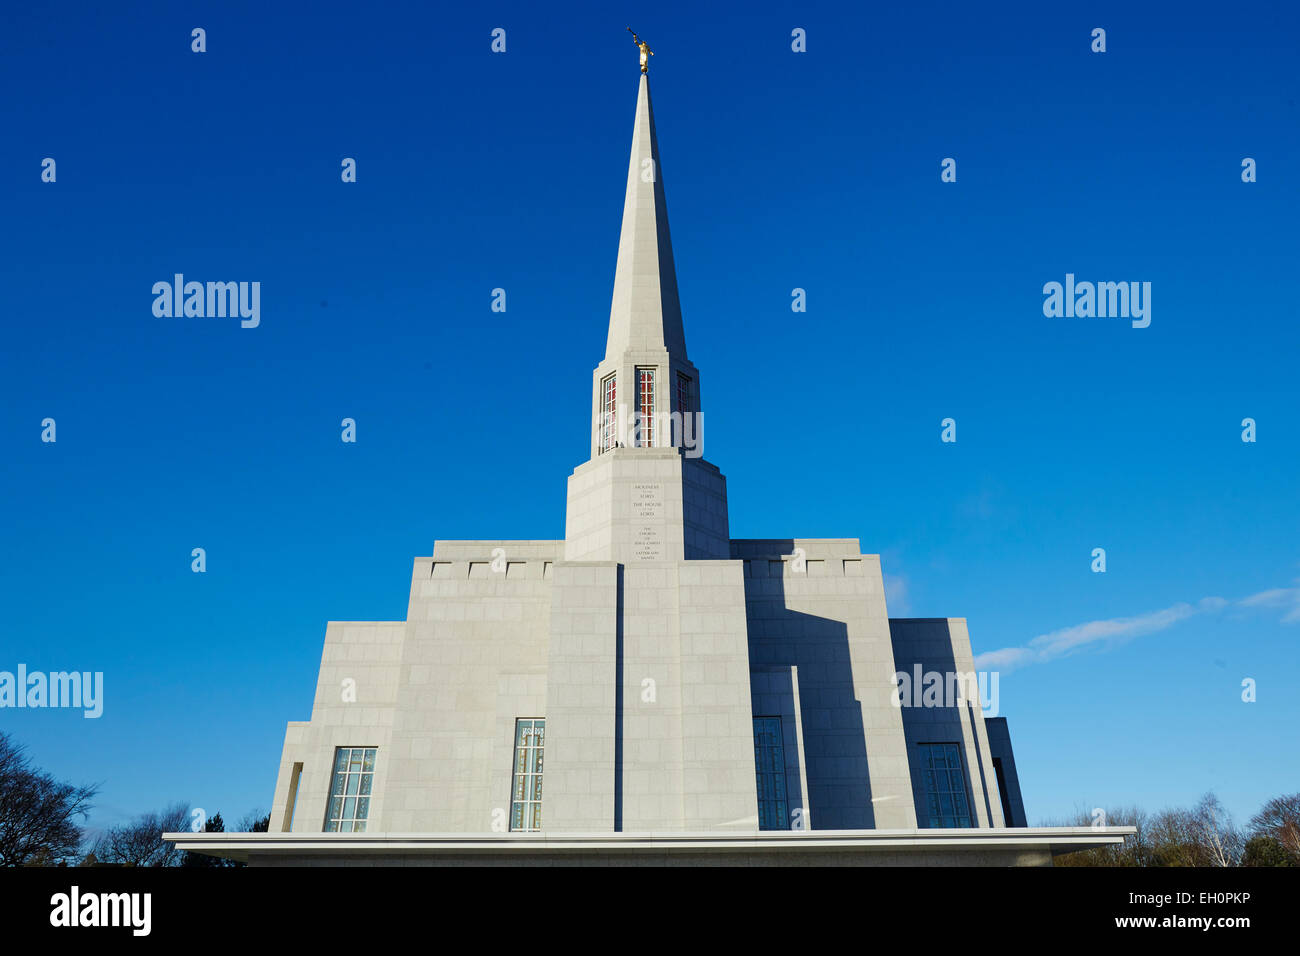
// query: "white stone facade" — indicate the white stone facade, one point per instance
point(648, 640)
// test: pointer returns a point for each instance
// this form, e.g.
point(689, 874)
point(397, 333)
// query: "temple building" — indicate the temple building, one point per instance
point(648, 689)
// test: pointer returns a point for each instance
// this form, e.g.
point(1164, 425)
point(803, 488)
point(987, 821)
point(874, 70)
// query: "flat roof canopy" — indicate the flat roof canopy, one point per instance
point(1056, 840)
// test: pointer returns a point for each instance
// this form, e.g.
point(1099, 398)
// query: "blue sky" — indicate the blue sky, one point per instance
point(818, 170)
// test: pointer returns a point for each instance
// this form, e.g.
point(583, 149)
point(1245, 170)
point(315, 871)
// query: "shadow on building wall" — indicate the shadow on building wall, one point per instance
point(834, 740)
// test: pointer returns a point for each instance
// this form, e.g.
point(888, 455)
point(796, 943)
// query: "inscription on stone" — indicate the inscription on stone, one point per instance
point(648, 500)
point(647, 517)
point(648, 543)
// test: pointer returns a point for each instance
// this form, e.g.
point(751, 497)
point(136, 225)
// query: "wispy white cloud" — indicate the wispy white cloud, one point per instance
point(1288, 598)
point(1109, 632)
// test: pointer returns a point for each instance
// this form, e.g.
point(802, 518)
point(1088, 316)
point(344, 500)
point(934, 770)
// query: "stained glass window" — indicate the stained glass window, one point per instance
point(683, 393)
point(349, 797)
point(608, 410)
point(769, 763)
point(945, 786)
point(526, 790)
point(646, 424)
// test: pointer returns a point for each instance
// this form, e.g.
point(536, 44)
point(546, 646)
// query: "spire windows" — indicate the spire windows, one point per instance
point(646, 407)
point(608, 412)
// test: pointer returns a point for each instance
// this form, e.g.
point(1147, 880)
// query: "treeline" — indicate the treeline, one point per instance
point(140, 842)
point(1204, 835)
point(41, 823)
point(39, 827)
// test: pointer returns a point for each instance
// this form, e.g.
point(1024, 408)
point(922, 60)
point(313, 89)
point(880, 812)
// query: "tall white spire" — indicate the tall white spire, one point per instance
point(646, 493)
point(645, 312)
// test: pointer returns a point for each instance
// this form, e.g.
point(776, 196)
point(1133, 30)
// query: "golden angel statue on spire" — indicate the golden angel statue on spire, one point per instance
point(646, 52)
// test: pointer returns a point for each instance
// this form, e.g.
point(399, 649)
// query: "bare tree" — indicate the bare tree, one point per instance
point(1176, 839)
point(37, 812)
point(1280, 819)
point(1214, 831)
point(255, 821)
point(1202, 836)
point(1134, 851)
point(140, 842)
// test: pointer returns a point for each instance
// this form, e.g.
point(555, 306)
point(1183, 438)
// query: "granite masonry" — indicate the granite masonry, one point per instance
point(648, 689)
